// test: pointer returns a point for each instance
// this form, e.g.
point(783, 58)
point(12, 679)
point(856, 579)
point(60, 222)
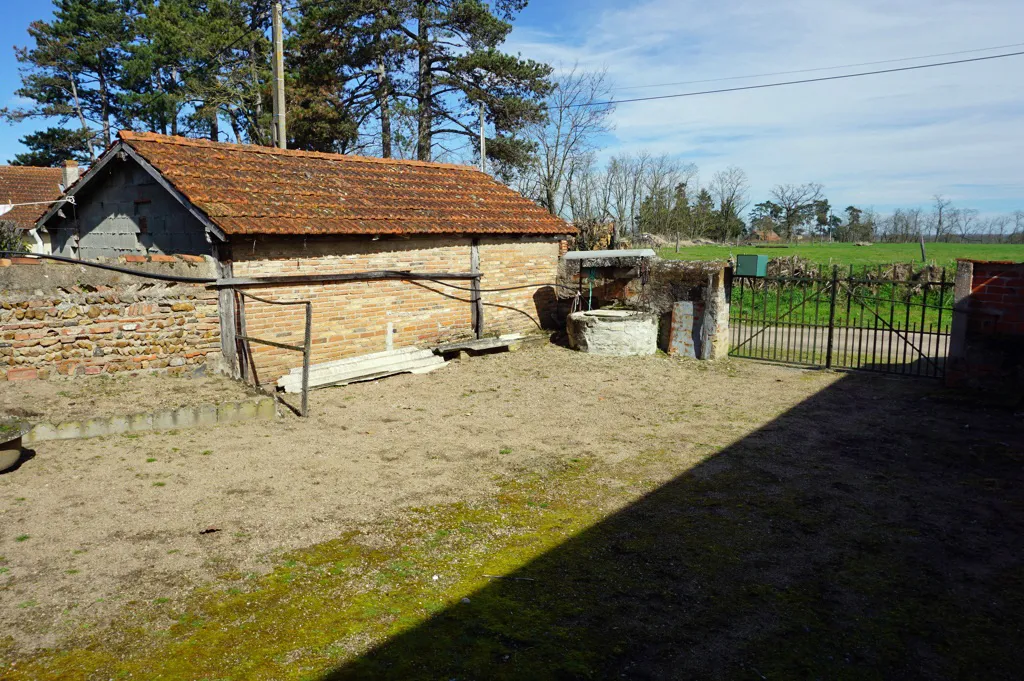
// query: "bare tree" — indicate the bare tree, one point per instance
point(997, 226)
point(1018, 226)
point(569, 133)
point(626, 181)
point(940, 216)
point(729, 187)
point(583, 189)
point(904, 225)
point(964, 221)
point(664, 174)
point(797, 202)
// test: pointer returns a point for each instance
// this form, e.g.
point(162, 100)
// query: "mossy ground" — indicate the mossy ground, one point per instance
point(873, 531)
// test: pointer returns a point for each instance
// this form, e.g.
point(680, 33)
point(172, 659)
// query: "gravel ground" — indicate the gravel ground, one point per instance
point(89, 526)
point(110, 395)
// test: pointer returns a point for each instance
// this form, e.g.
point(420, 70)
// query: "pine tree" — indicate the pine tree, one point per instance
point(345, 58)
point(72, 71)
point(422, 65)
point(682, 218)
point(703, 214)
point(196, 61)
point(53, 146)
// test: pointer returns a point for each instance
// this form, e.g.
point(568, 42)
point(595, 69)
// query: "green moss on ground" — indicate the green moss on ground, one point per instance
point(834, 543)
point(321, 606)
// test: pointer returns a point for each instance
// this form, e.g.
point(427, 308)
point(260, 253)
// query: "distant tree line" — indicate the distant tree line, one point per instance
point(641, 193)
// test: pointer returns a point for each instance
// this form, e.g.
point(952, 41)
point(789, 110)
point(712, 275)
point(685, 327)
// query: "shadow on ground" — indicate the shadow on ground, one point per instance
point(24, 457)
point(875, 531)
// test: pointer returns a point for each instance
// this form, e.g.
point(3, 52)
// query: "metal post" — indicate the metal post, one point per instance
point(832, 316)
point(307, 350)
point(278, 66)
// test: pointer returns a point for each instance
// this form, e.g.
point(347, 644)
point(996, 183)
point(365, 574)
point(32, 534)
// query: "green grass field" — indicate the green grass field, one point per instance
point(943, 254)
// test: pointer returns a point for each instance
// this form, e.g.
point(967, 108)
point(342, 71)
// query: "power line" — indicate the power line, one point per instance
point(820, 68)
point(796, 82)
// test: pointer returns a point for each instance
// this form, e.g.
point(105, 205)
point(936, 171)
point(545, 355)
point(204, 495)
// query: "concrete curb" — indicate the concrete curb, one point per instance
point(256, 409)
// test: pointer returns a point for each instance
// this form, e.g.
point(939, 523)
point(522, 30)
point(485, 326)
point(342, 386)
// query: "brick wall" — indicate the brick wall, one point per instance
point(987, 343)
point(507, 263)
point(352, 318)
point(61, 319)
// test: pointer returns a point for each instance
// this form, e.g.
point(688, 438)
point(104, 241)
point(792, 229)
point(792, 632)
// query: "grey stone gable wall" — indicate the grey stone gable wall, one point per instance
point(124, 211)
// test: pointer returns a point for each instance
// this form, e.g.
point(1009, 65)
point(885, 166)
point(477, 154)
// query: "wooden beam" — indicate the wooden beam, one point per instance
point(478, 303)
point(348, 276)
point(228, 319)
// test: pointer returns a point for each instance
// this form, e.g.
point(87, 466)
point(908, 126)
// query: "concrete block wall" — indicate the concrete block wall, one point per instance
point(987, 339)
point(60, 319)
point(127, 212)
point(353, 318)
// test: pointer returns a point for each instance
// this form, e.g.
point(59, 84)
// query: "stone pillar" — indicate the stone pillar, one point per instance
point(958, 332)
point(715, 330)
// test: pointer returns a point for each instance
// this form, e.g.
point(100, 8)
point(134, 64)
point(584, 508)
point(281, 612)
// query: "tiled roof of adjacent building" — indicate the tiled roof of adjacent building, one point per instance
point(26, 184)
point(248, 189)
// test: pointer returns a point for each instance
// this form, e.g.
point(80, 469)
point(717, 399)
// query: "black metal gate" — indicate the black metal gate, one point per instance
point(880, 319)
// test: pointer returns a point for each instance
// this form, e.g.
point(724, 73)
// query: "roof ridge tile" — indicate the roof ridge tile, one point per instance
point(156, 138)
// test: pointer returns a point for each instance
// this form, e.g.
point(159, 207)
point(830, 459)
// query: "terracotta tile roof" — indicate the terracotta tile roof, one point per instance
point(22, 184)
point(247, 189)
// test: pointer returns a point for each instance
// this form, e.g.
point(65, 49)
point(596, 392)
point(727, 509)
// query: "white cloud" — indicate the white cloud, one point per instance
point(883, 140)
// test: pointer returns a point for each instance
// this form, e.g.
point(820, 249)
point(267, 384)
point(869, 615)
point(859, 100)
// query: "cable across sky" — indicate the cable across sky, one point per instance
point(819, 68)
point(821, 79)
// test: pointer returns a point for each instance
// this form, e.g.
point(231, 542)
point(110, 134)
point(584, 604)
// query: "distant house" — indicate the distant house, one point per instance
point(766, 235)
point(266, 212)
point(36, 187)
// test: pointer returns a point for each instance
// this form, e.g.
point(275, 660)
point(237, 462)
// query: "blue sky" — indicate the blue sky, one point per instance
point(883, 141)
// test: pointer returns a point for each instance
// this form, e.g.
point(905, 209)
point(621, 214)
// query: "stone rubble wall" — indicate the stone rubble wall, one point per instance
point(60, 319)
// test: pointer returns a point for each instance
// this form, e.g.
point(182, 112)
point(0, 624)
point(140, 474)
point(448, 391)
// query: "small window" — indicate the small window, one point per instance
point(143, 224)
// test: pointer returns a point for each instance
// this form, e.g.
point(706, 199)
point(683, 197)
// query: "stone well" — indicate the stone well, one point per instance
point(10, 444)
point(614, 332)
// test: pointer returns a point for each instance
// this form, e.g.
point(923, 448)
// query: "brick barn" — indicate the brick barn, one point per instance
point(265, 213)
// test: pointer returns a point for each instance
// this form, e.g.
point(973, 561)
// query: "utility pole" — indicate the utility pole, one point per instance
point(483, 142)
point(385, 112)
point(280, 131)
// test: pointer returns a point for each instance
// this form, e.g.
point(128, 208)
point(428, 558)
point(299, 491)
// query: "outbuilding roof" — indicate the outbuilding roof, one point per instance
point(27, 184)
point(248, 189)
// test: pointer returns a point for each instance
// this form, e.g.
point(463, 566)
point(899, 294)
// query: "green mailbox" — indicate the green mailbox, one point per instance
point(751, 265)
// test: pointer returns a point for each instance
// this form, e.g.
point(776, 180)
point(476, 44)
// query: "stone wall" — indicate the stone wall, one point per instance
point(987, 339)
point(352, 318)
point(59, 319)
point(665, 283)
